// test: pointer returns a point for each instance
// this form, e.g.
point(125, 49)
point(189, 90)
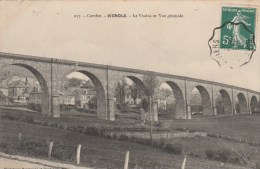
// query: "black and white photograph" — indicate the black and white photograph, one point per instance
point(124, 84)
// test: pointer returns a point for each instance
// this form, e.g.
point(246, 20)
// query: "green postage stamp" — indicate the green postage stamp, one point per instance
point(233, 42)
point(239, 29)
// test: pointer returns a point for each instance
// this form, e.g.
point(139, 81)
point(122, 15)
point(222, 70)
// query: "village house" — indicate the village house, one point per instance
point(35, 96)
point(163, 100)
point(67, 97)
point(16, 91)
point(80, 98)
point(129, 97)
point(4, 88)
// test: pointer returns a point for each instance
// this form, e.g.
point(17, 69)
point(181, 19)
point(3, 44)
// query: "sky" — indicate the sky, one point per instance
point(177, 46)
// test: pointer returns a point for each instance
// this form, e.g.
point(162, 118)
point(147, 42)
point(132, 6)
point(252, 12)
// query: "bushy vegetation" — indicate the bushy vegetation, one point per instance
point(223, 155)
point(169, 111)
point(31, 106)
point(64, 108)
point(176, 148)
point(35, 107)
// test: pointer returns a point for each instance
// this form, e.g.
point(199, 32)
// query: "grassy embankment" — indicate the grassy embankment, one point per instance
point(99, 151)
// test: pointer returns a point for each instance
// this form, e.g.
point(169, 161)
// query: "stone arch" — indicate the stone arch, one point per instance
point(45, 107)
point(254, 104)
point(138, 82)
point(227, 104)
point(101, 96)
point(180, 103)
point(241, 106)
point(206, 101)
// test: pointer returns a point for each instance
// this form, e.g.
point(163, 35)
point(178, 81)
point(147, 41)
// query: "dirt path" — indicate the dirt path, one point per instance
point(14, 161)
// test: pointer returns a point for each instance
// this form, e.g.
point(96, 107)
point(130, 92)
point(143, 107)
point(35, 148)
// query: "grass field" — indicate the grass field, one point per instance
point(109, 153)
point(238, 126)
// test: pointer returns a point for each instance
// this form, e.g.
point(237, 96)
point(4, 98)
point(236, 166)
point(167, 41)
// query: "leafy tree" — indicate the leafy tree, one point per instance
point(145, 104)
point(4, 75)
point(151, 83)
point(93, 102)
point(120, 91)
point(134, 92)
point(73, 82)
point(167, 92)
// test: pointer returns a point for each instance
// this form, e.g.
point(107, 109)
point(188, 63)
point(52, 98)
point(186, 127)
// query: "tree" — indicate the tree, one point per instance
point(134, 92)
point(73, 82)
point(4, 75)
point(145, 104)
point(120, 91)
point(93, 102)
point(150, 82)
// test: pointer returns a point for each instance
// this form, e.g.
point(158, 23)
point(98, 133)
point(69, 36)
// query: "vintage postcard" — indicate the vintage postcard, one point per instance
point(125, 84)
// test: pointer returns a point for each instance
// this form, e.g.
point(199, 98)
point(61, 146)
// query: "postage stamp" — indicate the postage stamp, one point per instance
point(239, 28)
point(233, 43)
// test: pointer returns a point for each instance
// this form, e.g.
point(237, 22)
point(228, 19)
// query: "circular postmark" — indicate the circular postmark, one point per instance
point(233, 43)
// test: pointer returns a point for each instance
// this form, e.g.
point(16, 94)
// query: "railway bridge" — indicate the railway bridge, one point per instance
point(51, 74)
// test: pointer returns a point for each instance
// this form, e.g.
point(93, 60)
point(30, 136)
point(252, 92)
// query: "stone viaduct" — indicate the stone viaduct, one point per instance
point(51, 74)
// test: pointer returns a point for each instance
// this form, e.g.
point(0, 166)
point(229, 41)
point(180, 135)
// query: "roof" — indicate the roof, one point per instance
point(88, 84)
point(79, 92)
point(171, 97)
point(17, 84)
point(91, 92)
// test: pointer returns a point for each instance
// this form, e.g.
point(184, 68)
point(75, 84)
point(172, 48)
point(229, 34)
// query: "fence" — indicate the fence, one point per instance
point(80, 154)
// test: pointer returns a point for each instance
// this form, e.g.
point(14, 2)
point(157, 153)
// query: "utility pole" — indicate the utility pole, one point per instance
point(51, 87)
point(108, 111)
point(151, 118)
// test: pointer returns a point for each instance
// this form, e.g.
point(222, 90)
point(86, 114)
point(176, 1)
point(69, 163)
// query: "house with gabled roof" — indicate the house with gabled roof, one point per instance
point(16, 90)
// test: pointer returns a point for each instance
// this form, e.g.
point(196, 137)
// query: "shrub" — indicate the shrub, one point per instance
point(54, 124)
point(223, 155)
point(34, 147)
point(35, 107)
point(161, 143)
point(123, 137)
point(92, 131)
point(29, 120)
point(3, 145)
point(64, 107)
point(10, 117)
point(114, 136)
point(195, 155)
point(61, 153)
point(209, 153)
point(157, 123)
point(176, 148)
